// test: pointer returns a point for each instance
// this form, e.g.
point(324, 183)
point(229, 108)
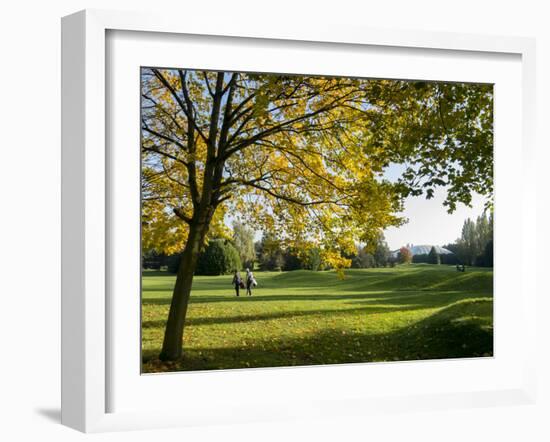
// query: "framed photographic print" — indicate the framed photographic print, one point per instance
point(293, 222)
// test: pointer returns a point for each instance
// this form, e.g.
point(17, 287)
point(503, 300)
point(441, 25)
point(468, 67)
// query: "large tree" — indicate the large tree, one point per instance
point(243, 240)
point(405, 255)
point(302, 156)
point(381, 252)
point(474, 238)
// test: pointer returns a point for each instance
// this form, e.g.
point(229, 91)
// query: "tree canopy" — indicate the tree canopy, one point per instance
point(304, 156)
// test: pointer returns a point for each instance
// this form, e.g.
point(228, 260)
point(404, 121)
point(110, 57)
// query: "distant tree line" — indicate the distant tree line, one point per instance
point(223, 256)
point(475, 245)
point(153, 260)
point(436, 258)
point(369, 256)
point(273, 256)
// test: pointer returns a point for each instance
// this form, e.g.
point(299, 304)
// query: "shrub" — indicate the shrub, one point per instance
point(219, 258)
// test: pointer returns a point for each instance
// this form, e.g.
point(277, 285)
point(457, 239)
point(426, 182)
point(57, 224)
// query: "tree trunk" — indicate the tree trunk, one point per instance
point(173, 335)
point(203, 211)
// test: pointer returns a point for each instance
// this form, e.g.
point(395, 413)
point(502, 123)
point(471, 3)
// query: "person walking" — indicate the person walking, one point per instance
point(250, 282)
point(237, 282)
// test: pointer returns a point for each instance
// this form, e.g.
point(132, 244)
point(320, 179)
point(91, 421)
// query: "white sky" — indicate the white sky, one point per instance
point(429, 223)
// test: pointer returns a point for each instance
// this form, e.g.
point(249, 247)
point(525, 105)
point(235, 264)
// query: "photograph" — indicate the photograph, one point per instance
point(304, 219)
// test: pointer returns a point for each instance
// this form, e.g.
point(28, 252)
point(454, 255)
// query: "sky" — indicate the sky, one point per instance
point(429, 223)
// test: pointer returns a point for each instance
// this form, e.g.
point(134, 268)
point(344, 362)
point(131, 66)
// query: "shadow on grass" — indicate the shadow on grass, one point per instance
point(370, 305)
point(286, 315)
point(366, 297)
point(447, 279)
point(464, 329)
point(416, 279)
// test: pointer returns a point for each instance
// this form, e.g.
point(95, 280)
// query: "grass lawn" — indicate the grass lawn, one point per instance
point(408, 312)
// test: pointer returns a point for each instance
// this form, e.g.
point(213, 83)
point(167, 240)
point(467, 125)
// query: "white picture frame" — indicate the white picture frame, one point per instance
point(86, 357)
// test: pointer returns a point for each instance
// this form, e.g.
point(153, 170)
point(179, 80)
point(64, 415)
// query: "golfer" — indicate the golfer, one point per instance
point(250, 282)
point(237, 282)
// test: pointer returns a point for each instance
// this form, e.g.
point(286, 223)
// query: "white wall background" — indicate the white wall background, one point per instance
point(30, 215)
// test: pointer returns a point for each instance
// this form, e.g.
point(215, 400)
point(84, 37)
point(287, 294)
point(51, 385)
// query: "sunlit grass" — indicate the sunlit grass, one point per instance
point(304, 318)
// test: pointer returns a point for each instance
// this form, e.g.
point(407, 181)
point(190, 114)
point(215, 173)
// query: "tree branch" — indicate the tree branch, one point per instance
point(182, 215)
point(275, 129)
point(187, 111)
point(285, 197)
point(227, 112)
point(162, 136)
point(205, 75)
